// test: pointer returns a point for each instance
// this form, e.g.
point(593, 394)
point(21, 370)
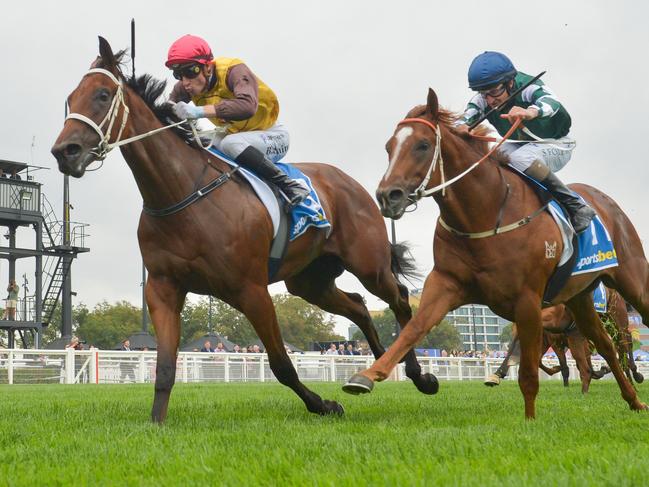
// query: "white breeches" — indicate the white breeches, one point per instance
point(522, 156)
point(273, 142)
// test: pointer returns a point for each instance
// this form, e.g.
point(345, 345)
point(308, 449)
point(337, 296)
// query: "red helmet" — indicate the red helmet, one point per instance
point(189, 49)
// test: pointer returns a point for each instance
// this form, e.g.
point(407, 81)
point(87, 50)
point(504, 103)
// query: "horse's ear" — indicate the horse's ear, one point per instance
point(106, 53)
point(432, 105)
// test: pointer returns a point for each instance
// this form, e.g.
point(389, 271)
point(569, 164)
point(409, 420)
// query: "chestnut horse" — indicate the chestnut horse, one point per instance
point(220, 244)
point(509, 268)
point(560, 332)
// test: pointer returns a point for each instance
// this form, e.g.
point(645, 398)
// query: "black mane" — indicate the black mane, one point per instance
point(150, 90)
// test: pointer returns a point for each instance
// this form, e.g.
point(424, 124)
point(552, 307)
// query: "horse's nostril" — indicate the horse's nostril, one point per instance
point(396, 195)
point(72, 150)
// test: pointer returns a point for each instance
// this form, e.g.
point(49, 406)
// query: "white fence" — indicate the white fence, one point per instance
point(20, 366)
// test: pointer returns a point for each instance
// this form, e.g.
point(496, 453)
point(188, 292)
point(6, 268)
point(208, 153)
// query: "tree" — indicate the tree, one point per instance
point(108, 324)
point(444, 337)
point(301, 322)
point(507, 334)
point(386, 327)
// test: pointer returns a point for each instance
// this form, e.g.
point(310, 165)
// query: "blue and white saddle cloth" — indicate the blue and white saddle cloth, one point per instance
point(595, 248)
point(307, 214)
point(599, 299)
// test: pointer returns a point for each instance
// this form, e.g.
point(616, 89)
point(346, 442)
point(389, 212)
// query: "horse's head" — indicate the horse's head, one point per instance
point(412, 153)
point(94, 107)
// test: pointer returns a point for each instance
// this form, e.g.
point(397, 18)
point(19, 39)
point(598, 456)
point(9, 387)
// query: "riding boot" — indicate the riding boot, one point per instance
point(580, 213)
point(257, 162)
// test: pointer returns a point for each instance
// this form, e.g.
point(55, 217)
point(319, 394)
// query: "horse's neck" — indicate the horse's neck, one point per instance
point(166, 170)
point(475, 198)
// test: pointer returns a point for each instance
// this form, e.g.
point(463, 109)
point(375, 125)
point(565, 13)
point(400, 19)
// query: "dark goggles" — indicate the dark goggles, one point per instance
point(494, 92)
point(189, 71)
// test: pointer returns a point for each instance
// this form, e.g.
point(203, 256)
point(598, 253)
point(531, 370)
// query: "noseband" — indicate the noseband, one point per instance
point(105, 146)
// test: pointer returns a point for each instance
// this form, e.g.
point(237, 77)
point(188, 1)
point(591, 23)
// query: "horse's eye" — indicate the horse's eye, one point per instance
point(422, 146)
point(103, 95)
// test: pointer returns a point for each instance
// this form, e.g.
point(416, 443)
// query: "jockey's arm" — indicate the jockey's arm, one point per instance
point(243, 84)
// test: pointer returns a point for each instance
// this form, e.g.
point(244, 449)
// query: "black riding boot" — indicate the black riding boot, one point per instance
point(580, 214)
point(254, 160)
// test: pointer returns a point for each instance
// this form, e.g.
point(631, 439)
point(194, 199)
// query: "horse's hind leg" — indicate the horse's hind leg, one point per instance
point(592, 328)
point(581, 355)
point(165, 302)
point(317, 286)
point(256, 304)
point(530, 333)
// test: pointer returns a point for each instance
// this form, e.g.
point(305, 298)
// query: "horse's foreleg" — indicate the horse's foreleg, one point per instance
point(530, 333)
point(387, 287)
point(165, 301)
point(440, 295)
point(592, 328)
point(256, 304)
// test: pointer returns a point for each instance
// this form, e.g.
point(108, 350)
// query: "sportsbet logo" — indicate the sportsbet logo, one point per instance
point(596, 258)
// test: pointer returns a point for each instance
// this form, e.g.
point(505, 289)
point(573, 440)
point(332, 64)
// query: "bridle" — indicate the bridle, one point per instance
point(421, 191)
point(105, 146)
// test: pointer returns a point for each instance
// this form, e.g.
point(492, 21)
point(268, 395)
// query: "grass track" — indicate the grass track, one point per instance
point(260, 434)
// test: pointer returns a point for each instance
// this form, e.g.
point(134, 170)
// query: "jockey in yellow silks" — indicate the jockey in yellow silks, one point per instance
point(227, 92)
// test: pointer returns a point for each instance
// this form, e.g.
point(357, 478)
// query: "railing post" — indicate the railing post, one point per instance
point(333, 368)
point(185, 371)
point(10, 367)
point(262, 371)
point(69, 366)
point(226, 370)
point(141, 373)
point(92, 368)
point(459, 369)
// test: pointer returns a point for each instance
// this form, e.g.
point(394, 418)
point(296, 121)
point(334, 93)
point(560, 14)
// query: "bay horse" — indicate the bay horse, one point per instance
point(560, 333)
point(509, 268)
point(220, 244)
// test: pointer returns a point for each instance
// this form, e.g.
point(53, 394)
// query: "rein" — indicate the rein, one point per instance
point(422, 192)
point(105, 146)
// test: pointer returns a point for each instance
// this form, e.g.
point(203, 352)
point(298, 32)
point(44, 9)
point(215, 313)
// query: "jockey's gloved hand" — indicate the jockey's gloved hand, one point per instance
point(186, 111)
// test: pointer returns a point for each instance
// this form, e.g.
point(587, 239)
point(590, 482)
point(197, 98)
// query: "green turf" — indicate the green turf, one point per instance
point(260, 434)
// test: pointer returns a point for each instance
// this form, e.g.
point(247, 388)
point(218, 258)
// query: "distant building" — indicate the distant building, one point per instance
point(479, 327)
point(635, 323)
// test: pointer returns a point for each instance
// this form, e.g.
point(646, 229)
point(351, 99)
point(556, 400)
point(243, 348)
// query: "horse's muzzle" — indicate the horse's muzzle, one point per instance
point(72, 158)
point(392, 201)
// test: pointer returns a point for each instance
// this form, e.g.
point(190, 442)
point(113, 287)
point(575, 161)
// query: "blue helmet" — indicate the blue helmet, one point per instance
point(490, 68)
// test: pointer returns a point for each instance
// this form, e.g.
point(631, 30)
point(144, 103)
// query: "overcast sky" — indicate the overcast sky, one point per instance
point(345, 73)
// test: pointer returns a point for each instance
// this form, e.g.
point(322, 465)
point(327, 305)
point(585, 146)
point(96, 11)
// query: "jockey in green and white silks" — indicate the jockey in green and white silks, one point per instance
point(544, 145)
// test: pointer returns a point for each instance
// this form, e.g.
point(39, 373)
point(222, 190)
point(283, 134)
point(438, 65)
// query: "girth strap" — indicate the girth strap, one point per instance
point(195, 196)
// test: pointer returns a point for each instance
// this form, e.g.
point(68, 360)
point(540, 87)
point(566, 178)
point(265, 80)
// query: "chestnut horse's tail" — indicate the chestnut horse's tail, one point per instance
point(403, 263)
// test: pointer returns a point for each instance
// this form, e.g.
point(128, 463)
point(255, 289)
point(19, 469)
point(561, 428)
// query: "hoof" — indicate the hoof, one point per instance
point(641, 407)
point(427, 384)
point(492, 380)
point(638, 377)
point(358, 384)
point(332, 408)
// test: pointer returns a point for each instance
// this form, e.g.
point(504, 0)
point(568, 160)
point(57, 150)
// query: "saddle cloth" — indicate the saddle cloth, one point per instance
point(599, 299)
point(307, 214)
point(594, 245)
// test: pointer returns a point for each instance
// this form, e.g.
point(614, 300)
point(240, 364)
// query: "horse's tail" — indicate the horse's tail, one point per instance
point(402, 263)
